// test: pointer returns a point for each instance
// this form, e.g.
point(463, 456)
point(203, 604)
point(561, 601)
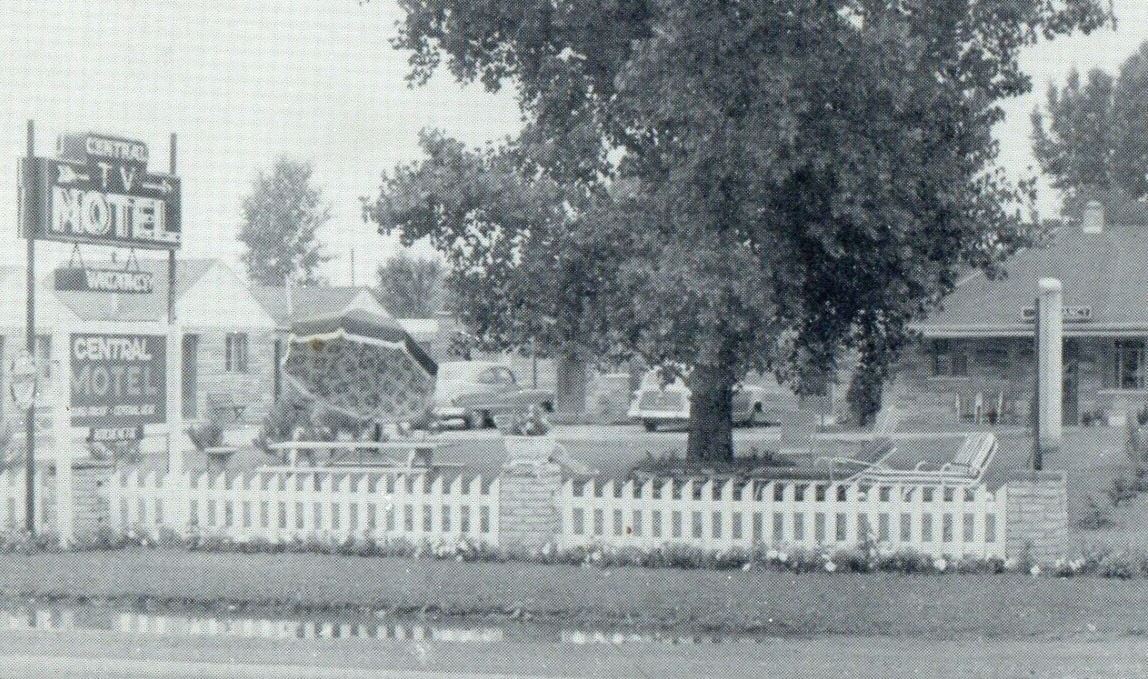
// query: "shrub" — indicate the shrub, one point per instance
point(904, 561)
point(22, 542)
point(972, 564)
point(1121, 491)
point(7, 438)
point(286, 415)
point(205, 434)
point(530, 422)
point(329, 423)
point(1094, 516)
point(852, 560)
point(1119, 565)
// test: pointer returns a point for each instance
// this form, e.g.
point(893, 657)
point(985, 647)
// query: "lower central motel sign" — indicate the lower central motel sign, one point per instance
point(118, 380)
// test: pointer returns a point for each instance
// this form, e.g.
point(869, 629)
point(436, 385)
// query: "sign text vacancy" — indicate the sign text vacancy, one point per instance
point(118, 380)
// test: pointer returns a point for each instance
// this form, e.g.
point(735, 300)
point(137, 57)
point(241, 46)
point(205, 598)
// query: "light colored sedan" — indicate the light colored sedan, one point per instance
point(475, 391)
point(655, 403)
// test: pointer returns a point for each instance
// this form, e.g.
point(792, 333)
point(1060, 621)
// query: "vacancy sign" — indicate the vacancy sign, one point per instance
point(102, 194)
point(118, 380)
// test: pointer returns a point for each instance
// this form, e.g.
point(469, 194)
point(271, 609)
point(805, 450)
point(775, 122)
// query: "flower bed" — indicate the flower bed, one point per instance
point(1120, 564)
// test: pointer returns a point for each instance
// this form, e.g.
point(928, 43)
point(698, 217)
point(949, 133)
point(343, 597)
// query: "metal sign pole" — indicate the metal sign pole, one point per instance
point(31, 223)
point(171, 251)
point(1037, 462)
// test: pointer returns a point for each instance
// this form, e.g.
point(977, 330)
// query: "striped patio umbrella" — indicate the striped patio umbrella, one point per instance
point(361, 364)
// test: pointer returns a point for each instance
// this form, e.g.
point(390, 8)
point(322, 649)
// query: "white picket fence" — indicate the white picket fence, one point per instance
point(12, 494)
point(715, 515)
point(280, 506)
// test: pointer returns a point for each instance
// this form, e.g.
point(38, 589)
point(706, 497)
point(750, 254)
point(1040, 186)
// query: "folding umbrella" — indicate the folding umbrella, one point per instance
point(362, 364)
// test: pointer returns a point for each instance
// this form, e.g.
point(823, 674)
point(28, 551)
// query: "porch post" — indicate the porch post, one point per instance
point(1050, 367)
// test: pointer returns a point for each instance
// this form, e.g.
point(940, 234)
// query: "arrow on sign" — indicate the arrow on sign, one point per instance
point(163, 186)
point(68, 175)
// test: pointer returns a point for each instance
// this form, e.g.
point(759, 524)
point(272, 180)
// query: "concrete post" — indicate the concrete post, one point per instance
point(1050, 365)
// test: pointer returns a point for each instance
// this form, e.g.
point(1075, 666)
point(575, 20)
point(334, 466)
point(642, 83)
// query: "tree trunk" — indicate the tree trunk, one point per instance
point(711, 415)
point(570, 390)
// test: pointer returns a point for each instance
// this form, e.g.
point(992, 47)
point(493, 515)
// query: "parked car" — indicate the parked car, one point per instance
point(656, 403)
point(475, 391)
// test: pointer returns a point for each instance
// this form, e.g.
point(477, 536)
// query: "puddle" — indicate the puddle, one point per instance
point(130, 622)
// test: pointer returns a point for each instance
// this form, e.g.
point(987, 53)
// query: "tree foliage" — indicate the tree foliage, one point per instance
point(769, 183)
point(411, 287)
point(517, 274)
point(281, 216)
point(1091, 138)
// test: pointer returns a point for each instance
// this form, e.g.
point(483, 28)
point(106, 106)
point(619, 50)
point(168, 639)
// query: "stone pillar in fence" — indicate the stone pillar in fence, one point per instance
point(1036, 516)
point(528, 515)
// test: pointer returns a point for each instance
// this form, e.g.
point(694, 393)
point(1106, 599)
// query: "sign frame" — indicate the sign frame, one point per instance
point(117, 364)
point(1068, 314)
point(100, 204)
point(115, 281)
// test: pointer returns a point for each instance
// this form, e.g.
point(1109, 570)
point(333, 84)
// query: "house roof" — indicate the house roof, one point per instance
point(307, 302)
point(1103, 272)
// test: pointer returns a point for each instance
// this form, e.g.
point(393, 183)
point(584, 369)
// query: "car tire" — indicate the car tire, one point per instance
point(486, 421)
point(468, 420)
point(650, 425)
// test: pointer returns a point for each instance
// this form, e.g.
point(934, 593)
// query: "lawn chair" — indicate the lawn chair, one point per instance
point(974, 455)
point(222, 406)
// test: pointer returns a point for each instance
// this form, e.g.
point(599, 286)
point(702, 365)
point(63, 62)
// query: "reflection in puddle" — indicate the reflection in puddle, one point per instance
point(189, 625)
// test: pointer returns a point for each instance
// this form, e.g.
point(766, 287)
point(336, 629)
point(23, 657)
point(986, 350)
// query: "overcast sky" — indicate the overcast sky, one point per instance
point(245, 81)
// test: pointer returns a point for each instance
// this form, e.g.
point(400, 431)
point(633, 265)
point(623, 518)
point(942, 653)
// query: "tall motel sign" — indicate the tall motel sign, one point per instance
point(111, 381)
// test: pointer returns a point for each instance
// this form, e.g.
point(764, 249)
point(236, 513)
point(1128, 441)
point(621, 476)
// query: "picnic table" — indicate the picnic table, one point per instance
point(419, 453)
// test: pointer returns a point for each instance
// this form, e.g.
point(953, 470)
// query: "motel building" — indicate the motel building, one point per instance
point(233, 335)
point(227, 345)
point(975, 363)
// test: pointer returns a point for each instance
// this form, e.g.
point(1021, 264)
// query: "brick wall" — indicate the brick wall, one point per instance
point(1007, 365)
point(90, 497)
point(1036, 511)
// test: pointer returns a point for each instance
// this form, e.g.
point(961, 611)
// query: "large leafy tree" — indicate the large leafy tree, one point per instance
point(518, 276)
point(787, 179)
point(411, 287)
point(281, 216)
point(1091, 139)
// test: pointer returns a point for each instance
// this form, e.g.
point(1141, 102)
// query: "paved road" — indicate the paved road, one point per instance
point(101, 654)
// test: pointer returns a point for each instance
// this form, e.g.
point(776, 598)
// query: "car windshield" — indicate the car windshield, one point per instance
point(653, 380)
point(459, 371)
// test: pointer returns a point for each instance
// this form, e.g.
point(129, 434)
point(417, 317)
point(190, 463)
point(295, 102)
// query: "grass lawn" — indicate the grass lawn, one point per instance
point(1002, 606)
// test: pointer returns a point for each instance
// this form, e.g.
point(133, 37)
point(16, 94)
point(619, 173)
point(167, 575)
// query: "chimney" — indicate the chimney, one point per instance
point(1092, 219)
